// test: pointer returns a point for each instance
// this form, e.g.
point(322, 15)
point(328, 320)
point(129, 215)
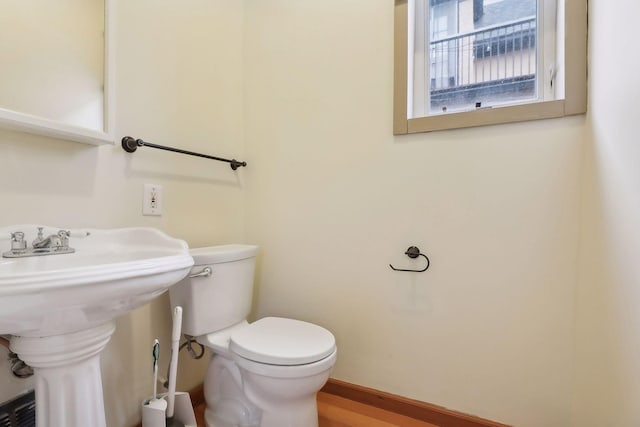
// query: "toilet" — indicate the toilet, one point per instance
point(261, 374)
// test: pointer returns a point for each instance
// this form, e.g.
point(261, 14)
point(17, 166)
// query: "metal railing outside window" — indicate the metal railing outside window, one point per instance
point(501, 54)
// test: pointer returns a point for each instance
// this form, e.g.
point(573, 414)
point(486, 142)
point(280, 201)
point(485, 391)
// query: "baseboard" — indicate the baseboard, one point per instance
point(415, 409)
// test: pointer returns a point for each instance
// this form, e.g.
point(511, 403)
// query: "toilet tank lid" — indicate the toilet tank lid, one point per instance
point(280, 341)
point(222, 253)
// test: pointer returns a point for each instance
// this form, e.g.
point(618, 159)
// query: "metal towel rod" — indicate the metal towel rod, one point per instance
point(130, 145)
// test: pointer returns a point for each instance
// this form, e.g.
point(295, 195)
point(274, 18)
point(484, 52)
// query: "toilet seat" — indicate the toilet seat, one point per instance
point(283, 342)
point(283, 371)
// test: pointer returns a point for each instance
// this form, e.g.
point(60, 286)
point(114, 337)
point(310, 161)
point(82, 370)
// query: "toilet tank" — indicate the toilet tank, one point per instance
point(221, 299)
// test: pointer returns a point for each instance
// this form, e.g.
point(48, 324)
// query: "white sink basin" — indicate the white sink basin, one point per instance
point(60, 308)
point(111, 272)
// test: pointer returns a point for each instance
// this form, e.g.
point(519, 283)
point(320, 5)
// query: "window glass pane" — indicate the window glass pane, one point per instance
point(481, 53)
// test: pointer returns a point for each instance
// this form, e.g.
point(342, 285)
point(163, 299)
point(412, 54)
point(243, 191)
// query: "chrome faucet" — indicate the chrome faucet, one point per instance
point(54, 241)
point(39, 238)
point(54, 244)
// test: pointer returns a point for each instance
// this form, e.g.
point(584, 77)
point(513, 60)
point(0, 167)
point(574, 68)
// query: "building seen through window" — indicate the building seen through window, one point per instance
point(481, 53)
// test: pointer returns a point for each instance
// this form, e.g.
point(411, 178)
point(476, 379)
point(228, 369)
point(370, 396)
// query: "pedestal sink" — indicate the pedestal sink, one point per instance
point(59, 309)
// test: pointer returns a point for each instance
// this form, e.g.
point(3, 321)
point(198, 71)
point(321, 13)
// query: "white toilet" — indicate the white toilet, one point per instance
point(261, 374)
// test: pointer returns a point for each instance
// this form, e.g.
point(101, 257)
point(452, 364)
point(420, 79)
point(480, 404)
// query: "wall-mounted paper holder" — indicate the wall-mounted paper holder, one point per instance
point(413, 252)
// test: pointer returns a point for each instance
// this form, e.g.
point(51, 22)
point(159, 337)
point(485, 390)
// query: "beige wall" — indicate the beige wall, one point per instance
point(333, 198)
point(608, 300)
point(56, 50)
point(179, 83)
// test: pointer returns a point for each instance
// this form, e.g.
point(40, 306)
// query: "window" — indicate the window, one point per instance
point(463, 63)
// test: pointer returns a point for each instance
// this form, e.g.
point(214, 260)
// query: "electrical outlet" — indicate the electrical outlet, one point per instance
point(152, 200)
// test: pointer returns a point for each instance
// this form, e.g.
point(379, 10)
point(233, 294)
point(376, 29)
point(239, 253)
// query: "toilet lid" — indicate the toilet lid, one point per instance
point(279, 341)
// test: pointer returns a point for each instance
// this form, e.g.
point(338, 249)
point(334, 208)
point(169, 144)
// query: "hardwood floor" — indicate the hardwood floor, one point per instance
point(199, 412)
point(335, 411)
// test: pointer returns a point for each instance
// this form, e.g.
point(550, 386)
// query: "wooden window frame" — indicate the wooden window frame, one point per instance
point(575, 84)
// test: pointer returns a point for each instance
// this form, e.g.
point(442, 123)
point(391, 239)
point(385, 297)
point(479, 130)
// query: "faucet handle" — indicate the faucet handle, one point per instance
point(64, 238)
point(39, 238)
point(18, 244)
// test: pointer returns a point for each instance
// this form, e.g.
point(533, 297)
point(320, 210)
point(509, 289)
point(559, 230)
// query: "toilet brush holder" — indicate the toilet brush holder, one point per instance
point(154, 412)
point(153, 416)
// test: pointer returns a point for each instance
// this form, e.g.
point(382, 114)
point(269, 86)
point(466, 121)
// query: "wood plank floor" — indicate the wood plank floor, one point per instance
point(335, 411)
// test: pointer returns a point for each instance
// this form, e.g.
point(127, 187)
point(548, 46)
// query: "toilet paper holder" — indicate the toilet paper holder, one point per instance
point(413, 252)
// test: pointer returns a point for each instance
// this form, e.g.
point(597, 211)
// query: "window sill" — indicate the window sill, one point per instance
point(487, 116)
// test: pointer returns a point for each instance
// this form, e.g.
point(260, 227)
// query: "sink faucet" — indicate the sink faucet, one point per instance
point(39, 238)
point(52, 245)
point(54, 241)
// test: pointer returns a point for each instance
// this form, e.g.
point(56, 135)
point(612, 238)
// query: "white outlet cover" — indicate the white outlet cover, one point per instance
point(152, 200)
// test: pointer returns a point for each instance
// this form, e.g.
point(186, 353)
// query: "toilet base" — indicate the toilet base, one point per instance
point(301, 414)
point(295, 415)
point(227, 406)
point(211, 420)
point(286, 395)
point(242, 393)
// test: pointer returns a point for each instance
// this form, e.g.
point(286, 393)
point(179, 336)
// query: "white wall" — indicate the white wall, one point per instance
point(179, 80)
point(333, 198)
point(608, 299)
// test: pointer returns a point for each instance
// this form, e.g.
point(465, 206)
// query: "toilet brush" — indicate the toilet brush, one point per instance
point(154, 402)
point(173, 367)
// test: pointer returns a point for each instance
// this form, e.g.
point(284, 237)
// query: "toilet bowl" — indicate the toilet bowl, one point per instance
point(261, 374)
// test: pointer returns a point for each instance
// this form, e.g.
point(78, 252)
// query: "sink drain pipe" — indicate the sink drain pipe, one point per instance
point(190, 341)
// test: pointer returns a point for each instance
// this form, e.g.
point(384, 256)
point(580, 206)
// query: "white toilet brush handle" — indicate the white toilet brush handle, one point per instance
point(173, 367)
point(155, 353)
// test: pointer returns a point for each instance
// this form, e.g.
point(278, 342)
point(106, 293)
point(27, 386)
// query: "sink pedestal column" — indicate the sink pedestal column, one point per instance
point(67, 376)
